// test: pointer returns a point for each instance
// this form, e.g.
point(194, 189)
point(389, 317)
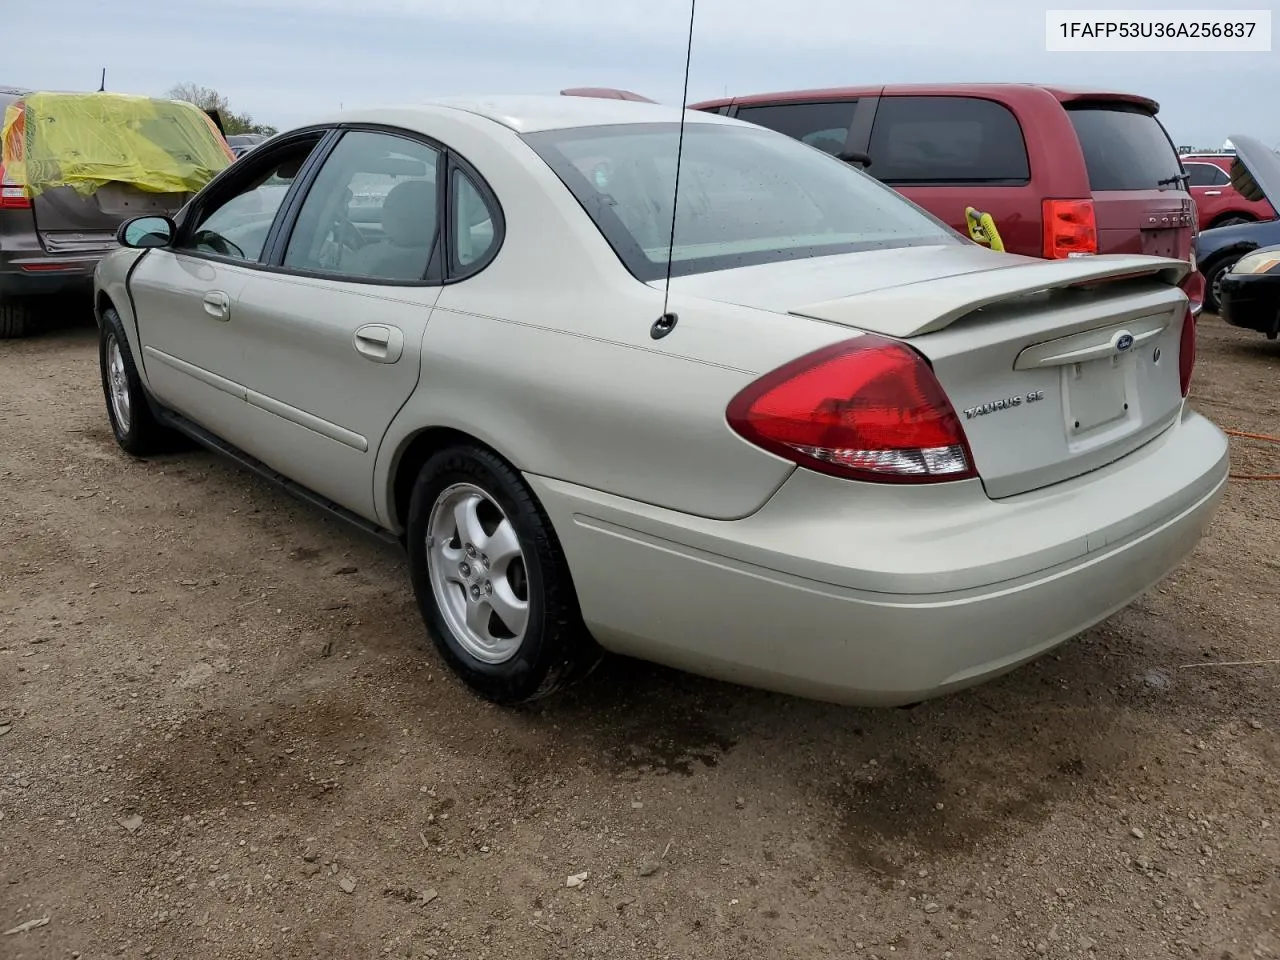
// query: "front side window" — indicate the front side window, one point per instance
point(236, 225)
point(822, 125)
point(372, 212)
point(945, 140)
point(747, 196)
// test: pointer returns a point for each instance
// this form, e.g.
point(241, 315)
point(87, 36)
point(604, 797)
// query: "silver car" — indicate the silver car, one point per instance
point(784, 428)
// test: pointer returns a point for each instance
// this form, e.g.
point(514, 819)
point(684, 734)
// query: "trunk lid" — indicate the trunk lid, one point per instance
point(1055, 368)
point(69, 223)
point(1141, 203)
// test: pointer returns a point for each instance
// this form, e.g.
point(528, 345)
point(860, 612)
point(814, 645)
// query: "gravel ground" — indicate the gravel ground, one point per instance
point(222, 736)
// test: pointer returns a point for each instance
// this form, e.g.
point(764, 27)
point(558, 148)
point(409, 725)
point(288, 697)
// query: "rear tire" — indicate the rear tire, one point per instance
point(1230, 222)
point(132, 422)
point(491, 579)
point(16, 319)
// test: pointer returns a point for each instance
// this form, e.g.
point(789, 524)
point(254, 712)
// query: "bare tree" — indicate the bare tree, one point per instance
point(209, 99)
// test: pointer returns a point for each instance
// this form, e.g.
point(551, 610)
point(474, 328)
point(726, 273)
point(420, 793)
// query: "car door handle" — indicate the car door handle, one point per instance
point(379, 343)
point(217, 304)
point(1213, 193)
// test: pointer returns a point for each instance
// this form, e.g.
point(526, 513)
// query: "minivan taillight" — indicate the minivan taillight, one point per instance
point(1070, 229)
point(1187, 351)
point(13, 195)
point(864, 409)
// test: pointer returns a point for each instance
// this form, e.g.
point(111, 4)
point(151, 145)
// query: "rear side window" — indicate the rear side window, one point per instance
point(940, 140)
point(821, 125)
point(1125, 148)
point(1206, 175)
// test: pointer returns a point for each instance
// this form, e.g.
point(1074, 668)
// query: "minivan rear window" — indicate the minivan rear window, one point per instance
point(1125, 148)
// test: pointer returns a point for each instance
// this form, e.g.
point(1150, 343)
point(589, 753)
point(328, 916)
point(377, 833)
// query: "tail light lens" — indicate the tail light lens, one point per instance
point(1070, 229)
point(1187, 351)
point(1194, 286)
point(13, 195)
point(865, 409)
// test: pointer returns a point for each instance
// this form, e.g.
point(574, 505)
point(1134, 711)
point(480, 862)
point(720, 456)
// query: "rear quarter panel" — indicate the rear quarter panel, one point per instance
point(546, 357)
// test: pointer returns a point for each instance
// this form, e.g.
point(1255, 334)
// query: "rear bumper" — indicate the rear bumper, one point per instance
point(1251, 302)
point(856, 594)
point(35, 276)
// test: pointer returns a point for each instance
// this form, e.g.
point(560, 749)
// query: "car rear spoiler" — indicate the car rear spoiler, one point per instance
point(919, 308)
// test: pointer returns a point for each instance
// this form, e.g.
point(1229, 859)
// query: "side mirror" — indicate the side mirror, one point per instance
point(142, 233)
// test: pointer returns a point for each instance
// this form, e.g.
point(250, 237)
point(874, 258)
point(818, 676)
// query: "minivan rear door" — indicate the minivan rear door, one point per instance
point(1140, 198)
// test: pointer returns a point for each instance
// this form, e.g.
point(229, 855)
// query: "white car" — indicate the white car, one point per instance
point(846, 453)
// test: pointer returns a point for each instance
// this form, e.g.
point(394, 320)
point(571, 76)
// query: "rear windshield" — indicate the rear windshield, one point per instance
point(1125, 149)
point(747, 196)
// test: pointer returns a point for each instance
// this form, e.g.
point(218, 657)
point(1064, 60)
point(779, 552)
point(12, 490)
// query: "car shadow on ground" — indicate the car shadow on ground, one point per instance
point(899, 786)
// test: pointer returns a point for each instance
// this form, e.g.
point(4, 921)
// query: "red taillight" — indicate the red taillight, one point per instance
point(1070, 229)
point(13, 195)
point(865, 409)
point(1187, 351)
point(1194, 286)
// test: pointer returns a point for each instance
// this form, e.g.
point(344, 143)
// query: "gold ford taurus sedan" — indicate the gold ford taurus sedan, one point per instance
point(776, 425)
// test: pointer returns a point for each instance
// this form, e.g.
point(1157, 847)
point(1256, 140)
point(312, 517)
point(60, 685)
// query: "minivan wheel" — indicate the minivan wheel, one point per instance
point(132, 423)
point(15, 319)
point(491, 579)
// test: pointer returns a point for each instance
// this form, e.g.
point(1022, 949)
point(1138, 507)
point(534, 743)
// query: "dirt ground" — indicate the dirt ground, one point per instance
point(221, 736)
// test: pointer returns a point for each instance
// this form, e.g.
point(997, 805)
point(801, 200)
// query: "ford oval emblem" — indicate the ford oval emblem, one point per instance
point(1124, 342)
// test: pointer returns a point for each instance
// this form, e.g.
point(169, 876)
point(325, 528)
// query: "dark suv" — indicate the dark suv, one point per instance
point(52, 238)
point(1063, 172)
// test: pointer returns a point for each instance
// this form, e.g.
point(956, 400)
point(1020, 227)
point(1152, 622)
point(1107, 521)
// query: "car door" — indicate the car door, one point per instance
point(186, 296)
point(333, 329)
point(948, 153)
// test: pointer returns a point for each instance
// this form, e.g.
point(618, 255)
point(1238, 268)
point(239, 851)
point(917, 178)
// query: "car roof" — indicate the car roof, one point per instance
point(531, 113)
point(997, 91)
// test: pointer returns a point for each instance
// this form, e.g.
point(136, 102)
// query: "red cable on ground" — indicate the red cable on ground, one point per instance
point(1253, 436)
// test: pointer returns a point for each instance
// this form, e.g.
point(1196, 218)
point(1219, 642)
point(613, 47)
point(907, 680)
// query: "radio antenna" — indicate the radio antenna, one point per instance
point(666, 323)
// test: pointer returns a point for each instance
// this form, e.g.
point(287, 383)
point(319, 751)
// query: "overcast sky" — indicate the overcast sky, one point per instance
point(285, 61)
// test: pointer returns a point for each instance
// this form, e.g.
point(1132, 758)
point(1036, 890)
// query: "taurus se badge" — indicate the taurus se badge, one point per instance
point(1004, 403)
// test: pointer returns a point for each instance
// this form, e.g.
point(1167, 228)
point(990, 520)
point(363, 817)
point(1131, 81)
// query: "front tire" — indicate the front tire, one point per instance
point(132, 423)
point(491, 579)
point(1213, 283)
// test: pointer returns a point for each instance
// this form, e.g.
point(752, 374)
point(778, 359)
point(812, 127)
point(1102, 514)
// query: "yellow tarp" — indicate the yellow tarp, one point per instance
point(85, 140)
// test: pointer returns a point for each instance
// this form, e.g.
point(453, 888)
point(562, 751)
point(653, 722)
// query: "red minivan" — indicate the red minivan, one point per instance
point(1064, 173)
